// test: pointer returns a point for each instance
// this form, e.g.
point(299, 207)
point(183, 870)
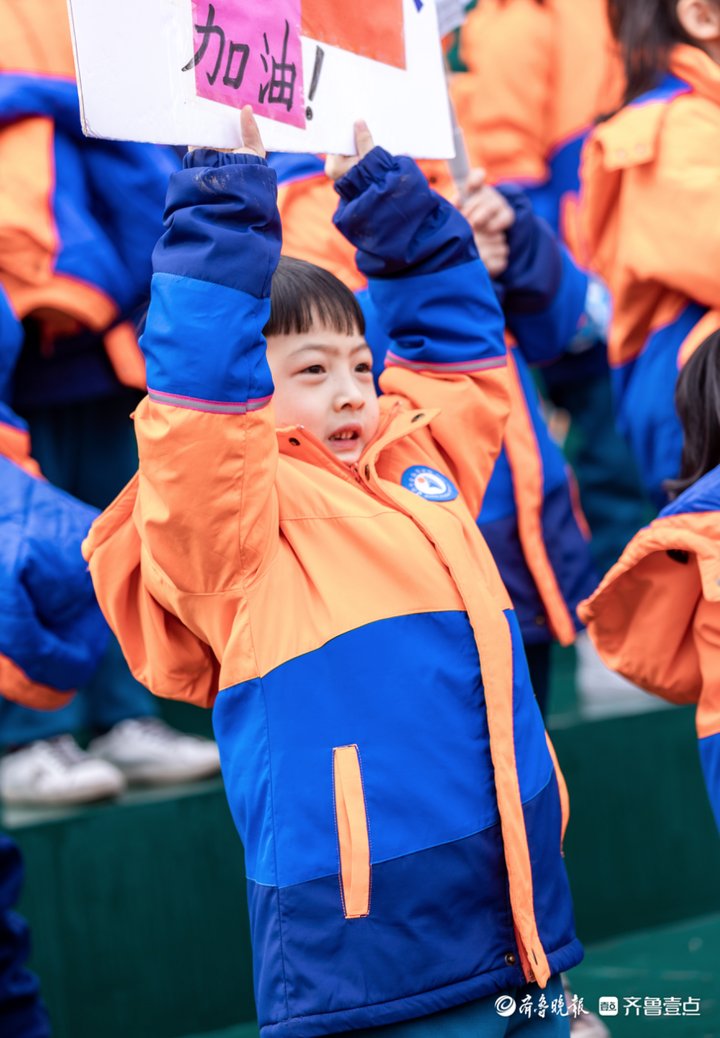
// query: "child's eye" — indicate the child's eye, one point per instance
point(313, 369)
point(363, 368)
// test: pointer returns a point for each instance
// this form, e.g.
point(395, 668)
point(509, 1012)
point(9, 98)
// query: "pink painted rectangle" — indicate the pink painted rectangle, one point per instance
point(249, 53)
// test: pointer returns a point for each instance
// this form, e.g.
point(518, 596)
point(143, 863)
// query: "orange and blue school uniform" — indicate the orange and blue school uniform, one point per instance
point(538, 75)
point(385, 762)
point(78, 217)
point(78, 220)
point(656, 616)
point(52, 633)
point(650, 213)
point(529, 515)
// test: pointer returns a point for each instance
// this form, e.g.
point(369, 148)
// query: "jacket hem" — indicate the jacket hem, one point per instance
point(413, 1007)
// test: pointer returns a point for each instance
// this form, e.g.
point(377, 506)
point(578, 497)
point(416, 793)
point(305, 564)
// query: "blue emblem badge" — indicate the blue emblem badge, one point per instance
point(428, 483)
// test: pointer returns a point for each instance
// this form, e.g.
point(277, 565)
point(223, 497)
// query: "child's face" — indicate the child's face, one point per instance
point(323, 381)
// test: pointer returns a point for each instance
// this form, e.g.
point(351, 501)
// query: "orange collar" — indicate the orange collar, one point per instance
point(698, 69)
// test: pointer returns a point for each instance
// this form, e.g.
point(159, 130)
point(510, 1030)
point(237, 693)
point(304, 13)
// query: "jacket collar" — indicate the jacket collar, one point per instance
point(698, 69)
point(395, 423)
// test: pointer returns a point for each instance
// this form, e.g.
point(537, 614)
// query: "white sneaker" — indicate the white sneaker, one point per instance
point(54, 772)
point(150, 752)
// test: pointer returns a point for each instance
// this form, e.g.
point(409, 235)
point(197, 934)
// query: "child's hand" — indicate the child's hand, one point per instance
point(252, 141)
point(494, 252)
point(490, 216)
point(337, 166)
point(484, 208)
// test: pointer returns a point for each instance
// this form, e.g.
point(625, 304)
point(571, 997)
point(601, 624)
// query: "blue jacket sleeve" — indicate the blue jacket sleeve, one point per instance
point(543, 291)
point(11, 338)
point(425, 277)
point(206, 437)
point(435, 301)
point(50, 623)
point(213, 268)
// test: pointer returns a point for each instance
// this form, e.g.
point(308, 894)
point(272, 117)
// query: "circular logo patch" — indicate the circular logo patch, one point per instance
point(428, 483)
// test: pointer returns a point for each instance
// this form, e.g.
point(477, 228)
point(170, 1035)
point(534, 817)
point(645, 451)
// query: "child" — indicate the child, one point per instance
point(527, 517)
point(539, 72)
point(650, 215)
point(656, 615)
point(52, 636)
point(324, 585)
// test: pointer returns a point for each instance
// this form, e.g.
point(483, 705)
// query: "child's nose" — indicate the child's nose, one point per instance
point(349, 396)
point(351, 399)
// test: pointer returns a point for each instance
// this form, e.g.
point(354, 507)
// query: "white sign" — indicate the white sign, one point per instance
point(177, 72)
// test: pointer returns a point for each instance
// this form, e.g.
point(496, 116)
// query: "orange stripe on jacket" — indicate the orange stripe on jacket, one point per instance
point(15, 445)
point(527, 476)
point(353, 834)
point(19, 688)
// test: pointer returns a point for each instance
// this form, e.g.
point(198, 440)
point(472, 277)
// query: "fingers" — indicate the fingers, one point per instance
point(494, 252)
point(475, 180)
point(487, 211)
point(337, 166)
point(250, 133)
point(363, 138)
point(252, 141)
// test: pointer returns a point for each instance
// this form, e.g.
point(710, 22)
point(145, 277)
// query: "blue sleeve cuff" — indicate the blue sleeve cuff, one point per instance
point(211, 287)
point(532, 277)
point(221, 222)
point(545, 334)
point(399, 226)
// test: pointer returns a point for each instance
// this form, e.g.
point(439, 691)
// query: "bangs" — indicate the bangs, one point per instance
point(303, 296)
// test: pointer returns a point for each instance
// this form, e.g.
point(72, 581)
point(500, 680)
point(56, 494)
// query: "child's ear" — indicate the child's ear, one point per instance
point(700, 19)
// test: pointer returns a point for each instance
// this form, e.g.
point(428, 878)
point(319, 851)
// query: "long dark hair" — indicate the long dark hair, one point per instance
point(697, 402)
point(646, 30)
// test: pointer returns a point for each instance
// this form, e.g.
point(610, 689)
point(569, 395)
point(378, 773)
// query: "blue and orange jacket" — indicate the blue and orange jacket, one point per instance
point(78, 217)
point(52, 633)
point(529, 516)
point(538, 75)
point(656, 616)
point(650, 215)
point(384, 758)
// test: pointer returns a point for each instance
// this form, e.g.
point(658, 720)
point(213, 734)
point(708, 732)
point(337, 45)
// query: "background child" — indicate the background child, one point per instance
point(78, 221)
point(401, 817)
point(656, 615)
point(650, 215)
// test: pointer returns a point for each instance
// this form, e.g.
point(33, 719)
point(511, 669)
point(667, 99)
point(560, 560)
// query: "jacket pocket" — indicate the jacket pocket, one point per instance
point(352, 832)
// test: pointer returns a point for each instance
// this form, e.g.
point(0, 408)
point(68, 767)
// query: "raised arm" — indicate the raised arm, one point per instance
point(437, 304)
point(206, 510)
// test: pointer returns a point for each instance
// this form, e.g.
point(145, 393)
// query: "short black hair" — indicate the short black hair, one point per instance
point(697, 402)
point(303, 294)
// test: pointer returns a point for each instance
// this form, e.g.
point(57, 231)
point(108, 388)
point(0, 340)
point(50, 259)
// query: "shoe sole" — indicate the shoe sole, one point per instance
point(150, 777)
point(15, 800)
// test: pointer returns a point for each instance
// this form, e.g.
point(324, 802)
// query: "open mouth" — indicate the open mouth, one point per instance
point(346, 437)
